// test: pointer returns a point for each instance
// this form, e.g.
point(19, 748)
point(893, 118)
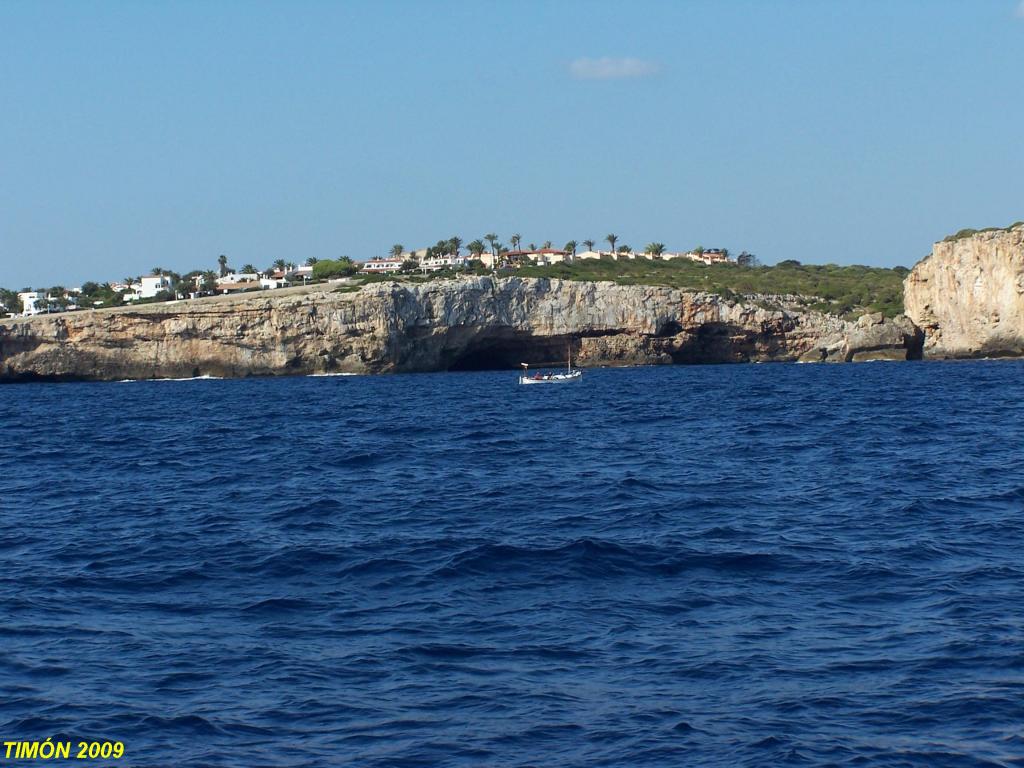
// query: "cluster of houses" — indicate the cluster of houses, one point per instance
point(426, 260)
point(542, 257)
point(233, 282)
point(153, 286)
point(42, 302)
point(145, 288)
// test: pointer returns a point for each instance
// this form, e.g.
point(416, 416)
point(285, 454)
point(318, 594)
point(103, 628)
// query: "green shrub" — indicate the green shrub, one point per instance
point(328, 268)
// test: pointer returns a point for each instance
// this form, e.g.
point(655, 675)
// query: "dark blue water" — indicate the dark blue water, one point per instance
point(733, 565)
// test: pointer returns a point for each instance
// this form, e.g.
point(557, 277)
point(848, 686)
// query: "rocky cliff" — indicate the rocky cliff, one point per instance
point(473, 323)
point(968, 295)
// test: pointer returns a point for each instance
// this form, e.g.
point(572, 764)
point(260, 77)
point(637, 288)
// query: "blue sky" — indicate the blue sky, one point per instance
point(137, 134)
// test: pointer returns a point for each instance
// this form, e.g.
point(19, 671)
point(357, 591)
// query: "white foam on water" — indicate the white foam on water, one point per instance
point(185, 378)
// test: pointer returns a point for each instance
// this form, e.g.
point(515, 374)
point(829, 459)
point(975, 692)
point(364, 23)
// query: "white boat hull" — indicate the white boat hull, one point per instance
point(553, 378)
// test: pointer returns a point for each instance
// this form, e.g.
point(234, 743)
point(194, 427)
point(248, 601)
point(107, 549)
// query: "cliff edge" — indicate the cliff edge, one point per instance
point(968, 295)
point(466, 324)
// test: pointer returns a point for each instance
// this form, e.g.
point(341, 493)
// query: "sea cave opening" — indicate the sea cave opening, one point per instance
point(503, 354)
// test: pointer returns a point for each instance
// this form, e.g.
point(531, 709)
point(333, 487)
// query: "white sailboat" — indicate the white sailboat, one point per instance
point(551, 378)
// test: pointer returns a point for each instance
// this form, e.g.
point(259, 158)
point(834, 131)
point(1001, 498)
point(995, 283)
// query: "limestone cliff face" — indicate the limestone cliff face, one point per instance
point(968, 295)
point(444, 325)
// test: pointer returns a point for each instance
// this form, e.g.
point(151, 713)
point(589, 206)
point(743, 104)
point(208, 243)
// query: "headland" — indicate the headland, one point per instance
point(964, 300)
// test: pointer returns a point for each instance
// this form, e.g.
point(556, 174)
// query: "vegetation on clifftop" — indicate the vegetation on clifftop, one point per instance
point(965, 233)
point(841, 290)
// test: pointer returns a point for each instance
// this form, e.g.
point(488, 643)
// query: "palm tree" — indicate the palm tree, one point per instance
point(209, 280)
point(501, 253)
point(589, 244)
point(476, 248)
point(455, 243)
point(612, 240)
point(547, 244)
point(248, 269)
point(570, 247)
point(516, 239)
point(655, 249)
point(157, 271)
point(311, 261)
point(129, 281)
point(222, 261)
point(533, 247)
point(625, 249)
point(280, 265)
point(396, 250)
point(492, 239)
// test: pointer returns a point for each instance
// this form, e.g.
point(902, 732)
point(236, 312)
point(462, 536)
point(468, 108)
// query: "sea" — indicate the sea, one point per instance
point(734, 565)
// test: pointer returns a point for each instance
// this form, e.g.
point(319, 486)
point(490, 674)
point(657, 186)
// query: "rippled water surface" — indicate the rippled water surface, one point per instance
point(732, 565)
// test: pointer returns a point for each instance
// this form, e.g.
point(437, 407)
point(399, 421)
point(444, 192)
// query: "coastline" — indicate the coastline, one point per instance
point(472, 323)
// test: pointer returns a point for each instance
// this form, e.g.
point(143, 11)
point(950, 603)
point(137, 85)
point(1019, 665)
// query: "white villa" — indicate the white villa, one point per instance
point(435, 263)
point(382, 265)
point(543, 256)
point(708, 256)
point(237, 277)
point(33, 303)
point(148, 287)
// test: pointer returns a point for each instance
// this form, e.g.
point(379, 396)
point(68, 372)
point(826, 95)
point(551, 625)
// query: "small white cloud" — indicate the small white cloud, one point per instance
point(607, 68)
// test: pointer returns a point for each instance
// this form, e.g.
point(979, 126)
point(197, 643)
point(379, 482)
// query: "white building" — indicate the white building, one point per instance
point(33, 303)
point(148, 287)
point(435, 263)
point(550, 256)
point(542, 256)
point(707, 256)
point(614, 256)
point(237, 277)
point(382, 265)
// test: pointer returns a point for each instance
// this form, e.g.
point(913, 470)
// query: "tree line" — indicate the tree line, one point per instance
point(200, 281)
point(491, 244)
